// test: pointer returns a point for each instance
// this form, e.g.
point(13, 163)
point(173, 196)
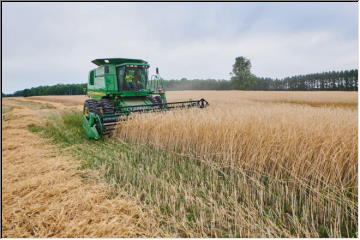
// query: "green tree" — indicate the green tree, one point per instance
point(26, 92)
point(242, 79)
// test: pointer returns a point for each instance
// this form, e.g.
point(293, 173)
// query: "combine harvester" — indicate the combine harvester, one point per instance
point(119, 87)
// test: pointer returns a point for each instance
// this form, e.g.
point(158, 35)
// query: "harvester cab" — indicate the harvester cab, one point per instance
point(119, 87)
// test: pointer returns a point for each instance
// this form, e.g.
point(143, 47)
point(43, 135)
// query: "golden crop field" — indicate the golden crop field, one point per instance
point(251, 164)
point(296, 150)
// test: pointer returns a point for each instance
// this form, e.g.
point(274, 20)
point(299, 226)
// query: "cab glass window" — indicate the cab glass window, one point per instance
point(91, 78)
point(100, 71)
point(135, 78)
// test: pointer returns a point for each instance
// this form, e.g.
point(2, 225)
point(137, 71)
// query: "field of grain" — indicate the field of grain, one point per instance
point(252, 164)
point(296, 153)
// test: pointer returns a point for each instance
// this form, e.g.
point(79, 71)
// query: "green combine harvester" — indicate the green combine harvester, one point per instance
point(119, 87)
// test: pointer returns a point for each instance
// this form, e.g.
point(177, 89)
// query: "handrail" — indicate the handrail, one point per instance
point(156, 82)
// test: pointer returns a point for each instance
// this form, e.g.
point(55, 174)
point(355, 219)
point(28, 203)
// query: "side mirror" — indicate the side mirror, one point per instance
point(157, 71)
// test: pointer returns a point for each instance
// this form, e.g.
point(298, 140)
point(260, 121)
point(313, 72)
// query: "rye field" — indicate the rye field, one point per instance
point(252, 164)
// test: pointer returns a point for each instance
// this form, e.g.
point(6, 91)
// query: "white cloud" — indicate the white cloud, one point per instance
point(49, 43)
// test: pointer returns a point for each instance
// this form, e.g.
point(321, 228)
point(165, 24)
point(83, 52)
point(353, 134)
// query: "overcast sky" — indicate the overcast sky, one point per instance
point(50, 43)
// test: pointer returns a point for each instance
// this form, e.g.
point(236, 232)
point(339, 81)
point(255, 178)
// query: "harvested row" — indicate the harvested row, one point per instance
point(44, 193)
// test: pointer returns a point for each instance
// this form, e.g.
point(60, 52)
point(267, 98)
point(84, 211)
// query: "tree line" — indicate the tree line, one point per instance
point(58, 89)
point(241, 79)
point(330, 81)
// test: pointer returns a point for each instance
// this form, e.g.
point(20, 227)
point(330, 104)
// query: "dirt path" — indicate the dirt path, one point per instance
point(45, 195)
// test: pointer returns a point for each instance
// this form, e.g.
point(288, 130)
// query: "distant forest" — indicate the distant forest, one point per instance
point(329, 81)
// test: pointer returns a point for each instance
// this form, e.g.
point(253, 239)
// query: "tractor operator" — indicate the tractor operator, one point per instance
point(133, 80)
point(129, 79)
point(138, 82)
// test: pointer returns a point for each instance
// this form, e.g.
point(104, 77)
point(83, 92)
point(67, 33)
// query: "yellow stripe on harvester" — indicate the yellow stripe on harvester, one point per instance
point(96, 93)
